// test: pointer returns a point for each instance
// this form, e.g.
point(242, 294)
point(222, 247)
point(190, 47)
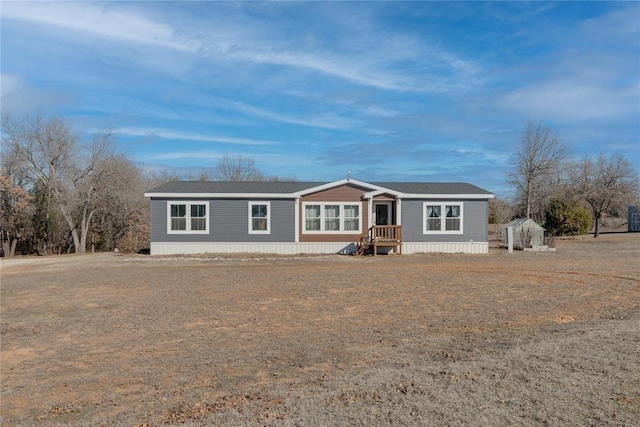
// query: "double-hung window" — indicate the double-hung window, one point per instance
point(312, 218)
point(351, 218)
point(331, 218)
point(452, 218)
point(259, 217)
point(188, 217)
point(442, 217)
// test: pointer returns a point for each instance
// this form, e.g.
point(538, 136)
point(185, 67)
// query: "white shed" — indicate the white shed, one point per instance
point(526, 233)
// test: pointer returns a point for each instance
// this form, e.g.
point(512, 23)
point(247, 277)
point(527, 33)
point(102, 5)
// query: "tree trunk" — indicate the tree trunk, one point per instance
point(6, 248)
point(76, 242)
point(529, 184)
point(84, 229)
point(597, 223)
point(14, 243)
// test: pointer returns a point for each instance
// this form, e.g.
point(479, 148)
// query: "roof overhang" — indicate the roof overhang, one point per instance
point(222, 195)
point(448, 196)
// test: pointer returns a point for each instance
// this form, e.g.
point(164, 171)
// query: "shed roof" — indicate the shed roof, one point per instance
point(524, 222)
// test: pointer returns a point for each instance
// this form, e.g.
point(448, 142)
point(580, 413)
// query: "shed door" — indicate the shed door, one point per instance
point(635, 221)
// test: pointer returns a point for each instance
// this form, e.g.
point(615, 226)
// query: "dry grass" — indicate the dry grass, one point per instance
point(522, 339)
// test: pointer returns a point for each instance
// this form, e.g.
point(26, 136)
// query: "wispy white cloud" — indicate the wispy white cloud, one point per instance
point(591, 74)
point(185, 136)
point(568, 99)
point(618, 23)
point(17, 96)
point(99, 20)
point(344, 69)
point(483, 155)
point(379, 64)
point(327, 121)
point(189, 155)
point(374, 64)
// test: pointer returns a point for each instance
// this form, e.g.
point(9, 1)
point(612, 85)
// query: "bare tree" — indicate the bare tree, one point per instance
point(500, 212)
point(14, 203)
point(605, 183)
point(537, 161)
point(51, 154)
point(119, 203)
point(237, 168)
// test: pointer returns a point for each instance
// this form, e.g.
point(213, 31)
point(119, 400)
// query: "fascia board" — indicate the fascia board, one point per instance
point(448, 196)
point(223, 195)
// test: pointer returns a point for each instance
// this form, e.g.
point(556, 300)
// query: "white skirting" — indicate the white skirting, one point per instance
point(446, 247)
point(166, 248)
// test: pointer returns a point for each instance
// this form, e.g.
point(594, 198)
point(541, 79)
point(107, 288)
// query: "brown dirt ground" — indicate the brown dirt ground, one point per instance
point(549, 338)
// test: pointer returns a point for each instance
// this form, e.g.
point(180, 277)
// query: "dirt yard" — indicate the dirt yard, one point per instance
point(524, 339)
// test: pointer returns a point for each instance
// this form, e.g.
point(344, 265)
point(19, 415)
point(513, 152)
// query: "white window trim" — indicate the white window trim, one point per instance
point(188, 204)
point(442, 218)
point(322, 217)
point(268, 230)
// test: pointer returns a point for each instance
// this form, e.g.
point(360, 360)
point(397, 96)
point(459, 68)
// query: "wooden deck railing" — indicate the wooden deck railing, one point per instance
point(382, 235)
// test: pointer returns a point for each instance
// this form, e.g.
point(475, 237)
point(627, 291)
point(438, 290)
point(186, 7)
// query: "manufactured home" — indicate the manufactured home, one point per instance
point(344, 216)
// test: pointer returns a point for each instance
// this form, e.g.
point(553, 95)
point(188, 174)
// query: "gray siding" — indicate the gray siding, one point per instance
point(474, 225)
point(228, 222)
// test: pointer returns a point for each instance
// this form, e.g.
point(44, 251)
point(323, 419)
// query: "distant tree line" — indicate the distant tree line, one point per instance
point(566, 196)
point(62, 194)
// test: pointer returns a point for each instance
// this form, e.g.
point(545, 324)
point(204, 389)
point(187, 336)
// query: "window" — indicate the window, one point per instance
point(442, 218)
point(198, 217)
point(312, 218)
point(259, 218)
point(188, 217)
point(433, 218)
point(331, 218)
point(178, 217)
point(452, 223)
point(352, 218)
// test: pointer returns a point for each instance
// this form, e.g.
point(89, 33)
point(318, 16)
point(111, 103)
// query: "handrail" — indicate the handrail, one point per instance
point(381, 235)
point(385, 233)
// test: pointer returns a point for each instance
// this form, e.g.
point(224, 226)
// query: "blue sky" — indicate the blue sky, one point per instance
point(392, 91)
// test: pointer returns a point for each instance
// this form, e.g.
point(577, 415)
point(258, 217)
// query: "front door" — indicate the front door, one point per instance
point(382, 214)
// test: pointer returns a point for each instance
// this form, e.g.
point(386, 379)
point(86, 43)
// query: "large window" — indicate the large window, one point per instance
point(188, 217)
point(331, 218)
point(442, 217)
point(259, 217)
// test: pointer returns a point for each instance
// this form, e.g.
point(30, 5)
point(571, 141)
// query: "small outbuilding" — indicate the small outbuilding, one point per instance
point(633, 219)
point(526, 233)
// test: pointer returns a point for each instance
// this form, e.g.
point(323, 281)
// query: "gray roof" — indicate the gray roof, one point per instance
point(525, 223)
point(288, 187)
point(433, 187)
